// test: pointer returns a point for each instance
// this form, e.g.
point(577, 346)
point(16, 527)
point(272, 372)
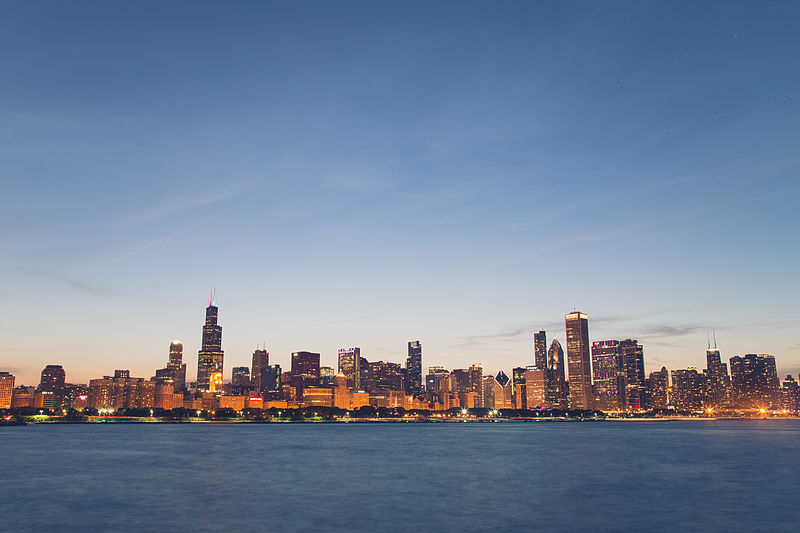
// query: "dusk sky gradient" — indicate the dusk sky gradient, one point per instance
point(370, 173)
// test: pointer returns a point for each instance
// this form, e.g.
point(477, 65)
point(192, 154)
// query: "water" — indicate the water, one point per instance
point(668, 476)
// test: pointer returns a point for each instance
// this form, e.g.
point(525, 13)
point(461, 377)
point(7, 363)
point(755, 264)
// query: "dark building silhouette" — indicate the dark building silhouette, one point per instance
point(609, 376)
point(754, 381)
point(718, 381)
point(518, 376)
point(210, 356)
point(382, 376)
point(175, 371)
point(578, 361)
point(240, 380)
point(305, 371)
point(52, 384)
point(271, 381)
point(687, 390)
point(413, 381)
point(657, 389)
point(540, 350)
point(260, 362)
point(633, 369)
point(556, 393)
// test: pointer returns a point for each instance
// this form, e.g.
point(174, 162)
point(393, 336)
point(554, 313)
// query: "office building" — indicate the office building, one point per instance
point(6, 389)
point(52, 387)
point(687, 390)
point(657, 389)
point(305, 371)
point(754, 381)
point(557, 393)
point(260, 362)
point(413, 378)
point(609, 376)
point(175, 371)
point(635, 391)
point(540, 350)
point(536, 387)
point(718, 381)
point(350, 366)
point(476, 383)
point(578, 361)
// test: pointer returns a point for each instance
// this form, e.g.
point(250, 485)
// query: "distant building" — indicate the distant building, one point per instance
point(719, 382)
point(413, 377)
point(518, 377)
point(540, 350)
point(754, 381)
point(51, 387)
point(6, 389)
point(790, 394)
point(657, 387)
point(476, 383)
point(175, 371)
point(382, 376)
point(687, 390)
point(326, 375)
point(23, 396)
point(578, 361)
point(210, 356)
point(536, 387)
point(240, 380)
point(635, 390)
point(350, 366)
point(305, 371)
point(609, 376)
point(557, 395)
point(260, 362)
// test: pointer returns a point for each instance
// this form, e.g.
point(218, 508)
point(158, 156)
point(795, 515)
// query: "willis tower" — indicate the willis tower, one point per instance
point(209, 359)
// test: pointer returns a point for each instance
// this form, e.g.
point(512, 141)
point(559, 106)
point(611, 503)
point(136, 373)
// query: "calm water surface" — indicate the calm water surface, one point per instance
point(613, 476)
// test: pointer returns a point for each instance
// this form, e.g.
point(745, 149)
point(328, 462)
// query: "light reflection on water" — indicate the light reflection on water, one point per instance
point(668, 476)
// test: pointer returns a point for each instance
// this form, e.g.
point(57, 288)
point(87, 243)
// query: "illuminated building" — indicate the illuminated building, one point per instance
point(260, 362)
point(318, 396)
point(609, 376)
point(215, 382)
point(635, 391)
point(235, 402)
point(305, 371)
point(326, 375)
point(518, 377)
point(175, 371)
point(657, 387)
point(382, 376)
point(271, 381)
point(240, 380)
point(434, 378)
point(166, 397)
point(341, 392)
point(413, 377)
point(44, 399)
point(359, 399)
point(540, 350)
point(536, 388)
point(23, 396)
point(578, 362)
point(75, 396)
point(754, 381)
point(491, 392)
point(6, 389)
point(210, 356)
point(687, 390)
point(350, 366)
point(52, 383)
point(556, 395)
point(476, 383)
point(101, 393)
point(790, 394)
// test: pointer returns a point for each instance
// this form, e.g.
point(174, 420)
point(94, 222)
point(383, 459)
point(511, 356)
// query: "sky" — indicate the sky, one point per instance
point(371, 173)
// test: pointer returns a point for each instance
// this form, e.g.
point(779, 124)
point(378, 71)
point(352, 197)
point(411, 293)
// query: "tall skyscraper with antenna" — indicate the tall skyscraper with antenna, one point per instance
point(717, 375)
point(209, 358)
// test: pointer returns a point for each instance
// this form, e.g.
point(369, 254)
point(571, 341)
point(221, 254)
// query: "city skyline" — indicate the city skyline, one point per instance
point(365, 174)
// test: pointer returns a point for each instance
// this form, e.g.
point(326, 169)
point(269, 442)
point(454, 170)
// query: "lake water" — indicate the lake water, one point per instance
point(611, 476)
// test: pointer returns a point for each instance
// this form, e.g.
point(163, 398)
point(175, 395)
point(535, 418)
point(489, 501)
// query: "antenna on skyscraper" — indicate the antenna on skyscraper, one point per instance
point(715, 338)
point(708, 339)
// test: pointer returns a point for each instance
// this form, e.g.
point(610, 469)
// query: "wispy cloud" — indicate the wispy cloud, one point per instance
point(86, 288)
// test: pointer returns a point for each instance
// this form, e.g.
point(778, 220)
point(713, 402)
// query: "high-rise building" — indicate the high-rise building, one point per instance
point(719, 382)
point(382, 376)
point(476, 383)
point(240, 380)
point(540, 350)
point(687, 390)
point(633, 368)
point(578, 362)
point(556, 394)
point(790, 394)
point(210, 356)
point(326, 375)
point(175, 371)
point(754, 381)
point(350, 366)
point(413, 380)
point(518, 376)
point(657, 387)
point(434, 378)
point(6, 389)
point(609, 376)
point(536, 387)
point(260, 362)
point(52, 385)
point(305, 371)
point(271, 381)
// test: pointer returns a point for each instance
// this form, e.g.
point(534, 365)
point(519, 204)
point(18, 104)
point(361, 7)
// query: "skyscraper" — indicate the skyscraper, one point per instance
point(754, 381)
point(633, 367)
point(52, 385)
point(476, 383)
point(540, 350)
point(350, 366)
point(578, 362)
point(657, 387)
point(260, 362)
point(6, 389)
point(719, 381)
point(413, 380)
point(556, 392)
point(209, 358)
point(305, 371)
point(687, 390)
point(609, 377)
point(240, 380)
point(175, 371)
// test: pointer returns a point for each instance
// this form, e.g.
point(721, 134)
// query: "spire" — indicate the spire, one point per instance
point(708, 340)
point(211, 297)
point(715, 338)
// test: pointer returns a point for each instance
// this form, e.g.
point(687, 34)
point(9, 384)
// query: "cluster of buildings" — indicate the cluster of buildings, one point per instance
point(607, 375)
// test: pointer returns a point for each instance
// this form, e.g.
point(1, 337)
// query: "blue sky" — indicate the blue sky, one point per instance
point(365, 174)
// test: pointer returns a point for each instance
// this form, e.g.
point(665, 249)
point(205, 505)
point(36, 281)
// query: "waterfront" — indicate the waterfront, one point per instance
point(715, 475)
